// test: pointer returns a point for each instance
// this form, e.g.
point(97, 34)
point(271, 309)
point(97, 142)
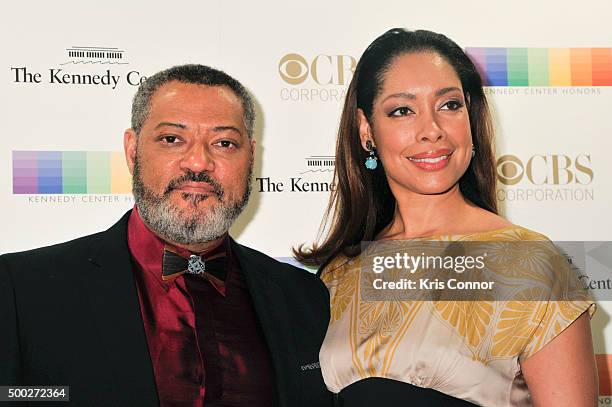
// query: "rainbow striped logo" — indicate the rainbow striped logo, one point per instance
point(543, 66)
point(70, 172)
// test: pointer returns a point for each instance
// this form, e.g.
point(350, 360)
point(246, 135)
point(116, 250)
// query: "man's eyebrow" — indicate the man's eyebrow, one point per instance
point(170, 124)
point(220, 129)
point(447, 90)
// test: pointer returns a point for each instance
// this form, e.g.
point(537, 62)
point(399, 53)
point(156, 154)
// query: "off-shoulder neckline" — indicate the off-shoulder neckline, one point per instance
point(448, 235)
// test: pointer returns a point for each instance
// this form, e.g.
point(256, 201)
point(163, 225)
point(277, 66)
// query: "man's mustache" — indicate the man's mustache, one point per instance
point(191, 176)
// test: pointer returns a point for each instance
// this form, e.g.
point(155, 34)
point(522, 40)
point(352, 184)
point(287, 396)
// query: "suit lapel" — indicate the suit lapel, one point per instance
point(115, 309)
point(270, 307)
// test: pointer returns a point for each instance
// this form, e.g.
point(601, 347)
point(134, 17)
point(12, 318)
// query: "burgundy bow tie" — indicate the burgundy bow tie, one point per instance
point(213, 268)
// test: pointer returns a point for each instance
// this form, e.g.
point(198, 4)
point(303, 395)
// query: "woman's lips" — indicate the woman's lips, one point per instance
point(431, 160)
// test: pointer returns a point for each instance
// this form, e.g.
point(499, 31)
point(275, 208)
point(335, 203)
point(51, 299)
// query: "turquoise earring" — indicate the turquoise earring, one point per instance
point(372, 161)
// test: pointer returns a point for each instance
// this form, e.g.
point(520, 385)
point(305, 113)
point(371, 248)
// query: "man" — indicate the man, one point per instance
point(164, 308)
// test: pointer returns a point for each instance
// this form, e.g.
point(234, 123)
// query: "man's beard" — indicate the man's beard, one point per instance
point(178, 225)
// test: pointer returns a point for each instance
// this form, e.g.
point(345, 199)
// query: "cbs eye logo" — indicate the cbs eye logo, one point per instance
point(294, 69)
point(553, 169)
point(509, 169)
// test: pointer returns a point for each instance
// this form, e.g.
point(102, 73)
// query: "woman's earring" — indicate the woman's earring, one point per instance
point(473, 151)
point(372, 161)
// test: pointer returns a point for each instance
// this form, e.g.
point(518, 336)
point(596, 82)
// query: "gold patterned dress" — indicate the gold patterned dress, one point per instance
point(470, 350)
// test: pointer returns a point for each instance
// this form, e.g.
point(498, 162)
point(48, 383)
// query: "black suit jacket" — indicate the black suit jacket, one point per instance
point(69, 315)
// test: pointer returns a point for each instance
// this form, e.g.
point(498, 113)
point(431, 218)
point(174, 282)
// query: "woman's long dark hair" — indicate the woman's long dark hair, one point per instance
point(362, 204)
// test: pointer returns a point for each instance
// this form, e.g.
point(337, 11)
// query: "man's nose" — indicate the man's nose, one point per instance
point(198, 158)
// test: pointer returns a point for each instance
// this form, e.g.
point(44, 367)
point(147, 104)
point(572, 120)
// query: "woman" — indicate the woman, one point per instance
point(414, 162)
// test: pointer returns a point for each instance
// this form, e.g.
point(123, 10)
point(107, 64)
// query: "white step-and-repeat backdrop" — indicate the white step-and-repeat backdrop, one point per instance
point(69, 71)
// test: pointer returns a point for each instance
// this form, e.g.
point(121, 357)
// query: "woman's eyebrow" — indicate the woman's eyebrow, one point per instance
point(447, 90)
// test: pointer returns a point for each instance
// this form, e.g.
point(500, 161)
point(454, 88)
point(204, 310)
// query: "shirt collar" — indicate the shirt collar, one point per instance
point(147, 248)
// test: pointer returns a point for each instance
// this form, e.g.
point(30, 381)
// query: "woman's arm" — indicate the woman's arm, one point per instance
point(563, 373)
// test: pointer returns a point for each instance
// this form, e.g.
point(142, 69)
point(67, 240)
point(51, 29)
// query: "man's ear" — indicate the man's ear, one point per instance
point(130, 141)
point(365, 131)
point(253, 143)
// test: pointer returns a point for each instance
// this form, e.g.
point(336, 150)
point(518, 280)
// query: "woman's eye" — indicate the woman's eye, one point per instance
point(452, 105)
point(400, 111)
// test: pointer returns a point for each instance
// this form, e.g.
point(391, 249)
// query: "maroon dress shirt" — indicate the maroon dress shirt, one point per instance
point(205, 342)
